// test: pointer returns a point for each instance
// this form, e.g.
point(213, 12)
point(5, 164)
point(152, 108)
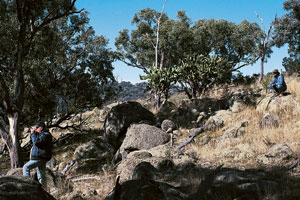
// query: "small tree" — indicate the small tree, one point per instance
point(199, 72)
point(160, 81)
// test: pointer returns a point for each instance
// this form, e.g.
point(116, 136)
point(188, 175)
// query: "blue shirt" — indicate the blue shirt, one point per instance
point(279, 83)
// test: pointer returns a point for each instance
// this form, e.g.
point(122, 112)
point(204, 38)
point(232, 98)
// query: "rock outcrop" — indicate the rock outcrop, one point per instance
point(120, 117)
point(275, 104)
point(142, 136)
point(146, 189)
point(21, 188)
point(279, 154)
point(91, 156)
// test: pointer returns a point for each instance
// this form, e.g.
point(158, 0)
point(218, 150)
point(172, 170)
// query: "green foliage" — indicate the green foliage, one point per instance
point(266, 81)
point(236, 44)
point(65, 67)
point(287, 32)
point(199, 72)
point(161, 80)
point(75, 75)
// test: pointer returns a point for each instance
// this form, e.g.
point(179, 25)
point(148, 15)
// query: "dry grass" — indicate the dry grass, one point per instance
point(97, 188)
point(293, 83)
point(252, 143)
point(253, 140)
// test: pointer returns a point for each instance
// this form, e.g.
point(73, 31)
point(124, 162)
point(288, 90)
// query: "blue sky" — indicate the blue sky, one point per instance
point(108, 17)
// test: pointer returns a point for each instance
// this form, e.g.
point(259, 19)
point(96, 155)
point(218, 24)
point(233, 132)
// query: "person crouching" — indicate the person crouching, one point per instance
point(278, 84)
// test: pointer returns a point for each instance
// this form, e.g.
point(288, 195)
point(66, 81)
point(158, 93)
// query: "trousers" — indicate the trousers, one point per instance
point(40, 166)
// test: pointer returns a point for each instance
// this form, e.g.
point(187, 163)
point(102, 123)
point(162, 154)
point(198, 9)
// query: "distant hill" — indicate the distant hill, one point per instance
point(132, 92)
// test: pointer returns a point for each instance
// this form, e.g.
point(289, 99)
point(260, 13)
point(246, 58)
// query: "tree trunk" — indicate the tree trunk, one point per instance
point(14, 147)
point(186, 91)
point(261, 75)
point(157, 101)
point(194, 90)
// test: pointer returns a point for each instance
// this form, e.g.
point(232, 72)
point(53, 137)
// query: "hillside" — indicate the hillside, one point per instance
point(251, 134)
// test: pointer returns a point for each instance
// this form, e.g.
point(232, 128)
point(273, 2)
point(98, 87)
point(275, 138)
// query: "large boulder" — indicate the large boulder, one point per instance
point(168, 125)
point(236, 184)
point(126, 167)
point(56, 183)
point(269, 120)
point(275, 104)
point(145, 171)
point(91, 156)
point(142, 136)
point(119, 119)
point(224, 115)
point(237, 130)
point(146, 189)
point(155, 156)
point(21, 188)
point(278, 154)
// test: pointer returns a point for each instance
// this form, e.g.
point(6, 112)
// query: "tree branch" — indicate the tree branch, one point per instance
point(48, 20)
point(147, 36)
point(157, 34)
point(245, 64)
point(5, 95)
point(134, 65)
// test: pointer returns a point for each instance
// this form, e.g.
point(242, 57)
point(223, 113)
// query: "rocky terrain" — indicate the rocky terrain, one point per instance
point(239, 142)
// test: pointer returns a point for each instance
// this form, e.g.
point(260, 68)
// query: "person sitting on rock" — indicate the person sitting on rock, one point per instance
point(278, 84)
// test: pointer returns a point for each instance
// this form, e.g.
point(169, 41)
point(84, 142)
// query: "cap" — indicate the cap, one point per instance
point(40, 124)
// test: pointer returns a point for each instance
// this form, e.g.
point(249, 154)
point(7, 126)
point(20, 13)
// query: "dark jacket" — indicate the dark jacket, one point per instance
point(42, 146)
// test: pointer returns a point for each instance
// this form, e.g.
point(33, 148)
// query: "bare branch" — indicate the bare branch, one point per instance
point(148, 37)
point(157, 34)
point(261, 20)
point(134, 65)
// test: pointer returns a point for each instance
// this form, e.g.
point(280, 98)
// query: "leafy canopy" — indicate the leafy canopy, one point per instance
point(287, 31)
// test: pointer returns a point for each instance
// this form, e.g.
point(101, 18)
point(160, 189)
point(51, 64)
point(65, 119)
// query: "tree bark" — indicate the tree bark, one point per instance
point(14, 146)
point(157, 101)
point(261, 75)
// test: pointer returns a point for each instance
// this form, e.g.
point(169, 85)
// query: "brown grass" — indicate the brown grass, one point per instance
point(293, 83)
point(254, 138)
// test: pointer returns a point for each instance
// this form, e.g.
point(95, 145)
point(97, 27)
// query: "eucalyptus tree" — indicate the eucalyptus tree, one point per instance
point(219, 48)
point(287, 31)
point(264, 46)
point(51, 63)
point(234, 43)
point(73, 74)
point(137, 48)
point(198, 72)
